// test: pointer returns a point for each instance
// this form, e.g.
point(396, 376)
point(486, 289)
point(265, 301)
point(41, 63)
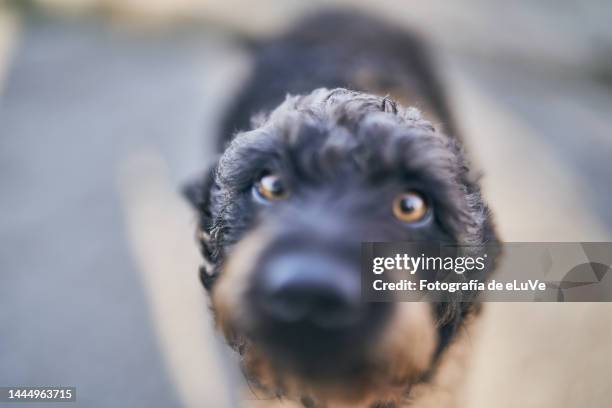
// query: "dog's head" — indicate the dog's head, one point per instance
point(282, 215)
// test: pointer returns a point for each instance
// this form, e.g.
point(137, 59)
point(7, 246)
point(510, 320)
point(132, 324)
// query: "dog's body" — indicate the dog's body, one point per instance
point(303, 179)
point(340, 50)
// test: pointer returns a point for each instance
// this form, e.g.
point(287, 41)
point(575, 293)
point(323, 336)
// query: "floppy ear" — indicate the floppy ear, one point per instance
point(197, 192)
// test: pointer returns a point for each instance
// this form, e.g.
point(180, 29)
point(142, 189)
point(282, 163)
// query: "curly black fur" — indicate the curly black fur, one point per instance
point(344, 145)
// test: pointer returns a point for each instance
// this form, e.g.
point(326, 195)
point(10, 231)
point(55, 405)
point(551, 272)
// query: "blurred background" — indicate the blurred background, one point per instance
point(108, 106)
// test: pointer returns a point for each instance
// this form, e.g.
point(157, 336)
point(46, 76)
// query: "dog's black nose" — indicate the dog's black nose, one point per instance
point(315, 289)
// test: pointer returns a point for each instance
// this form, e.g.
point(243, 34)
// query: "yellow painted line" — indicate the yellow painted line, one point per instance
point(160, 229)
point(534, 195)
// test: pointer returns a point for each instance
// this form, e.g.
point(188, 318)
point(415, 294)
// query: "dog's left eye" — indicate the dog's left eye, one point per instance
point(271, 187)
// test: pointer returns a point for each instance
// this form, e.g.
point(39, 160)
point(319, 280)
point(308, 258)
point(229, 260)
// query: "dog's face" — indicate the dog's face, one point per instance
point(282, 216)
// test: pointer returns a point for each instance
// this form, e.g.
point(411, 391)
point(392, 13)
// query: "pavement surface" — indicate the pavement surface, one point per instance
point(77, 101)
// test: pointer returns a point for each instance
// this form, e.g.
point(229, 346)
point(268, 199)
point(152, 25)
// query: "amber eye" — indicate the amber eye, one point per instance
point(271, 187)
point(409, 207)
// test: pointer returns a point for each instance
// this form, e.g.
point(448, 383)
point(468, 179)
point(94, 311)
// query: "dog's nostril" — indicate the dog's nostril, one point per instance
point(322, 306)
point(320, 289)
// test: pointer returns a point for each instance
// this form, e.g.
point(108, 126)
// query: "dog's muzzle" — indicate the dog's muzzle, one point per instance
point(309, 289)
point(307, 299)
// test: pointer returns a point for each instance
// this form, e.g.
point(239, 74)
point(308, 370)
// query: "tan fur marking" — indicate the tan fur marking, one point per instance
point(446, 386)
point(229, 293)
point(408, 343)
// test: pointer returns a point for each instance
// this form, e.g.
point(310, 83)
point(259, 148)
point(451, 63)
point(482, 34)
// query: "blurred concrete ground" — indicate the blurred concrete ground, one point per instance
point(101, 122)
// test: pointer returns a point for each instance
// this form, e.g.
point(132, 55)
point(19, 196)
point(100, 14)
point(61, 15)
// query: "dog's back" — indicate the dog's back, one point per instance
point(337, 49)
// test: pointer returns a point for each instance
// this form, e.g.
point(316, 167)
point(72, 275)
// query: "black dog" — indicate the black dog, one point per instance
point(322, 150)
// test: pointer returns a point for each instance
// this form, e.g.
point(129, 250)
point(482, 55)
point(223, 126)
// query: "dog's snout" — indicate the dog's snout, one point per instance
point(314, 289)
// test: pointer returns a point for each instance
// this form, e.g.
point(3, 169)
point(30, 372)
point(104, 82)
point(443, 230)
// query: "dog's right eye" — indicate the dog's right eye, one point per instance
point(410, 207)
point(271, 187)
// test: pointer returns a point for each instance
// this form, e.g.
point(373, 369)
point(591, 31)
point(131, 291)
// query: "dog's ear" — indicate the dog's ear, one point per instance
point(197, 191)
